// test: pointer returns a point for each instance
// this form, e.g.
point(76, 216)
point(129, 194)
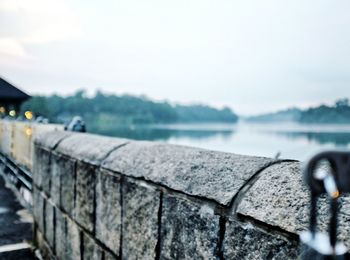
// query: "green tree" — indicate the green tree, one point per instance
point(38, 105)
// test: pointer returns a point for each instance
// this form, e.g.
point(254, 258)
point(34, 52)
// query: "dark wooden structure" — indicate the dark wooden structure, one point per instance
point(11, 98)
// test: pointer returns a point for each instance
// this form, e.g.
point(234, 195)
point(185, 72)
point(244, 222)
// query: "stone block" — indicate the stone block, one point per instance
point(109, 256)
point(60, 235)
point(41, 168)
point(55, 187)
point(188, 230)
point(68, 186)
point(91, 249)
point(213, 175)
point(49, 223)
point(244, 241)
point(63, 182)
point(38, 208)
point(73, 241)
point(84, 212)
point(108, 210)
point(280, 198)
point(140, 220)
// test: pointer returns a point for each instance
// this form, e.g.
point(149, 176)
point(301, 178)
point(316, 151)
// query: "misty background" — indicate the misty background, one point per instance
point(266, 78)
point(253, 56)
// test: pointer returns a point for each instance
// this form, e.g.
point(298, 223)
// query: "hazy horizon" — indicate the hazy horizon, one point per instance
point(252, 56)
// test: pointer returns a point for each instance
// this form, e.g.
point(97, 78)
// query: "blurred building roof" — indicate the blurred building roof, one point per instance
point(10, 92)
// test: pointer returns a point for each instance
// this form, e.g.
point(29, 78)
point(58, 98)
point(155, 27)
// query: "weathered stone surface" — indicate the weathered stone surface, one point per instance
point(49, 139)
point(73, 241)
point(41, 168)
point(244, 241)
point(280, 198)
point(188, 230)
point(63, 182)
point(49, 223)
point(140, 220)
point(57, 163)
point(67, 182)
point(38, 208)
point(60, 235)
point(109, 256)
point(91, 249)
point(85, 195)
point(214, 175)
point(108, 210)
point(89, 148)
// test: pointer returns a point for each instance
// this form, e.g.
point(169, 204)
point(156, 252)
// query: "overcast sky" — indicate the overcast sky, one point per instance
point(251, 55)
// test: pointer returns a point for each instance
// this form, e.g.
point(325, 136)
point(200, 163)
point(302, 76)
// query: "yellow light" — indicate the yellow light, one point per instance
point(28, 115)
point(335, 194)
point(2, 110)
point(29, 131)
point(12, 113)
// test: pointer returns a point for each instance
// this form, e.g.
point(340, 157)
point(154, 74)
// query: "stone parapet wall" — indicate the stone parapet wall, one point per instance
point(105, 198)
point(16, 139)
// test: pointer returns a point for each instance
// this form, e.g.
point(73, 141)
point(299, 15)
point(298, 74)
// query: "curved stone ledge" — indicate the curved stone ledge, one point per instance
point(213, 175)
point(208, 174)
point(50, 139)
point(81, 146)
point(280, 198)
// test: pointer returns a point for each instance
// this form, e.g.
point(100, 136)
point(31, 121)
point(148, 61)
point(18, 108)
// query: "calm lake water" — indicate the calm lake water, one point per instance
point(291, 140)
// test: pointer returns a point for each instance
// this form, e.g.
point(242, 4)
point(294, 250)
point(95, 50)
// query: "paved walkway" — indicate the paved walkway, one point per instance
point(15, 226)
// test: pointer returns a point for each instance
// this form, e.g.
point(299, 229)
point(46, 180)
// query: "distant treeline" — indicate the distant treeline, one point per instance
point(288, 115)
point(107, 110)
point(337, 113)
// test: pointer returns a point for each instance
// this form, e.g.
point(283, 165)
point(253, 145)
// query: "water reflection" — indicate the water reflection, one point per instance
point(293, 141)
point(339, 139)
point(162, 133)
